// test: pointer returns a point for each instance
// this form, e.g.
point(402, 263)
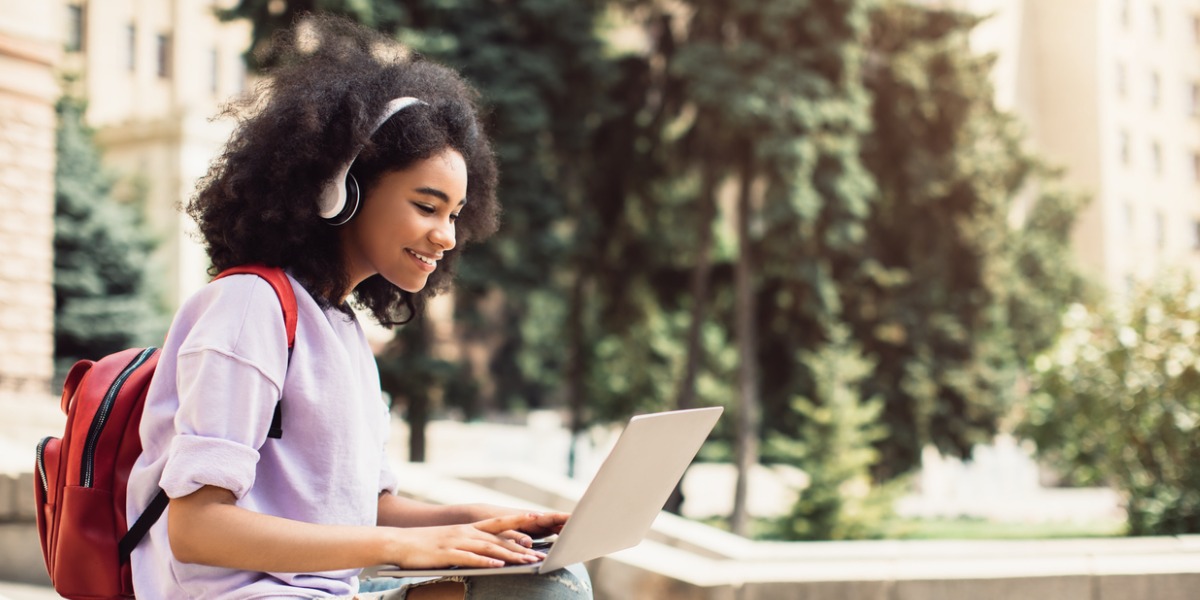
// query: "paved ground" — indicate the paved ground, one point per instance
point(18, 591)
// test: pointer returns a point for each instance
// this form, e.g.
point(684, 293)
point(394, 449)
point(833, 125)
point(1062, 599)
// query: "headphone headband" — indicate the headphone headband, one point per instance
point(333, 195)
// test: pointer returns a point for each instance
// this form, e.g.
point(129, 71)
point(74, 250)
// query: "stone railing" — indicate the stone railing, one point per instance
point(685, 560)
point(20, 551)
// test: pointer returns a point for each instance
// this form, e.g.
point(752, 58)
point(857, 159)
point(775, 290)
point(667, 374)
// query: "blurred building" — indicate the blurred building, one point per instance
point(155, 73)
point(1110, 90)
point(30, 48)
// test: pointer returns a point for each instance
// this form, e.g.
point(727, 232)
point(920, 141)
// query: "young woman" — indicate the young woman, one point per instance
point(361, 171)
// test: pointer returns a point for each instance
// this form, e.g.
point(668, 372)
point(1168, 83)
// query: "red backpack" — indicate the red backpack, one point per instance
point(81, 478)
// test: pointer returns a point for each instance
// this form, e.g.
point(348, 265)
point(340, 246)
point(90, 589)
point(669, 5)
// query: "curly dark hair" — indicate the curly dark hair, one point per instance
point(259, 201)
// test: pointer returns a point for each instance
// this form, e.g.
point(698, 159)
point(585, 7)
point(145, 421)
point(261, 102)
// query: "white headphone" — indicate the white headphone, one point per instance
point(341, 196)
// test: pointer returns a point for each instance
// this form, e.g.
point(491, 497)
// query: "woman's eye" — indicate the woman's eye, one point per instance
point(453, 217)
point(425, 208)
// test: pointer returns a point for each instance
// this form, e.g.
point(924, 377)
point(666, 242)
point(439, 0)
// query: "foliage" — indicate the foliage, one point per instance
point(1117, 402)
point(104, 301)
point(418, 382)
point(541, 72)
point(953, 295)
point(836, 449)
point(890, 202)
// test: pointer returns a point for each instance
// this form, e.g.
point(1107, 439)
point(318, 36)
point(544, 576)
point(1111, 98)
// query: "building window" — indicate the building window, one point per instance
point(214, 75)
point(1194, 99)
point(1123, 148)
point(131, 47)
point(1155, 82)
point(164, 55)
point(1156, 157)
point(1196, 167)
point(1196, 235)
point(1156, 25)
point(1160, 230)
point(1196, 29)
point(75, 28)
point(1121, 83)
point(1125, 14)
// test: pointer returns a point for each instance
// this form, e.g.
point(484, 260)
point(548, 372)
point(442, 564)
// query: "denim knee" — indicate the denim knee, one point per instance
point(570, 583)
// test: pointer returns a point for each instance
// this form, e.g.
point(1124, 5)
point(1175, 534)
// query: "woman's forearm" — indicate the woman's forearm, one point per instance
point(208, 528)
point(398, 511)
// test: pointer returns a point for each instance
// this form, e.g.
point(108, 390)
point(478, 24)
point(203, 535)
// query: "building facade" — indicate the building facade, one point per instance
point(1110, 90)
point(29, 53)
point(155, 74)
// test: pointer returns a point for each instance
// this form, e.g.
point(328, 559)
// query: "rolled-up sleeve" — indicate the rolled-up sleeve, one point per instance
point(226, 404)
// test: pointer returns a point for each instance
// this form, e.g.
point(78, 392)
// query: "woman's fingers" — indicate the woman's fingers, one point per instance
point(518, 537)
point(550, 522)
point(496, 538)
point(505, 550)
point(498, 525)
point(487, 543)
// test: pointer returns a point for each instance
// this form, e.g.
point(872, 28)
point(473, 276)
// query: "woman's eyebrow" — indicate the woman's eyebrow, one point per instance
point(439, 194)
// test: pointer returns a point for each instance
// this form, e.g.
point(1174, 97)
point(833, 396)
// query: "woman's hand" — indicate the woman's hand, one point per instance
point(547, 523)
point(485, 543)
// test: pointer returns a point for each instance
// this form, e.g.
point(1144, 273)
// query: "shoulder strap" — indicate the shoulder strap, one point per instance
point(287, 300)
point(283, 289)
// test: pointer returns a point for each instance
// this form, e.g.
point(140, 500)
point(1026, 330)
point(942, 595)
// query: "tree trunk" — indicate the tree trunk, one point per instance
point(698, 290)
point(746, 442)
point(685, 396)
point(421, 336)
point(576, 365)
point(418, 417)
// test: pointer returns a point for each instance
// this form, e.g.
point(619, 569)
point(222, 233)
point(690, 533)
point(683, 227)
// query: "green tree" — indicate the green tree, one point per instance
point(1117, 402)
point(417, 381)
point(103, 299)
point(780, 109)
point(545, 82)
point(836, 448)
point(956, 291)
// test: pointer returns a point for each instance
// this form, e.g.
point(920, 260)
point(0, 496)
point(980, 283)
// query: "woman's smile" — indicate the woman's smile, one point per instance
point(424, 261)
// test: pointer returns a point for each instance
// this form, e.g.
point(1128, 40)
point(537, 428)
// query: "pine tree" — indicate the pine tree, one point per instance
point(836, 449)
point(103, 299)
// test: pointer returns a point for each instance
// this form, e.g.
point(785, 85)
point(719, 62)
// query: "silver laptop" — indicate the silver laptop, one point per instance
point(624, 497)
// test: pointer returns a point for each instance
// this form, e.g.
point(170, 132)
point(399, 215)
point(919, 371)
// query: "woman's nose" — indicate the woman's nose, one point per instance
point(443, 236)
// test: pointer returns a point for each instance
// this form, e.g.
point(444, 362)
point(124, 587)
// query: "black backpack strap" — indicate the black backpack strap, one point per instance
point(276, 430)
point(142, 525)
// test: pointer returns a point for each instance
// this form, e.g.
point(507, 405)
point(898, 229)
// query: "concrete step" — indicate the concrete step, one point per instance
point(24, 591)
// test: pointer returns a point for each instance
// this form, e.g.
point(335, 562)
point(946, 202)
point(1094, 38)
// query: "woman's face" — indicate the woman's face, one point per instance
point(407, 222)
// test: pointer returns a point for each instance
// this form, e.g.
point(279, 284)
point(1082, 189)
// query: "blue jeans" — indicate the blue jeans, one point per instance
point(570, 583)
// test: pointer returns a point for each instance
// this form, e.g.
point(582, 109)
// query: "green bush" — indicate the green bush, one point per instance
point(1117, 402)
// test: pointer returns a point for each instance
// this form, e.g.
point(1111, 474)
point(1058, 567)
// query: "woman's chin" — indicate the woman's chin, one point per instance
point(411, 285)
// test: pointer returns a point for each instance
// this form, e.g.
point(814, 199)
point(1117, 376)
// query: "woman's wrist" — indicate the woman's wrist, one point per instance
point(473, 513)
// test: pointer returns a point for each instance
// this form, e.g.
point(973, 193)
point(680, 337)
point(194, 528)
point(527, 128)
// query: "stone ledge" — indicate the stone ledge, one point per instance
point(16, 498)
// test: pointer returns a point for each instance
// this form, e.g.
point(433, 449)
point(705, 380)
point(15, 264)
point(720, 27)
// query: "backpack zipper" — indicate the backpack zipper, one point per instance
point(93, 438)
point(41, 464)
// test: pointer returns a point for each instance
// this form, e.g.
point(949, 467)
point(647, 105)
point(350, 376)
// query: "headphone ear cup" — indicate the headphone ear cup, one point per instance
point(353, 200)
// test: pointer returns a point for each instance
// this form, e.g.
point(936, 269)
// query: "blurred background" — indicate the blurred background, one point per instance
point(936, 258)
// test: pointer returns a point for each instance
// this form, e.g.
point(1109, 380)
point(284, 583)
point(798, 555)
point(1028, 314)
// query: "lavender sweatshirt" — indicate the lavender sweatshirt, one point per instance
point(206, 419)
